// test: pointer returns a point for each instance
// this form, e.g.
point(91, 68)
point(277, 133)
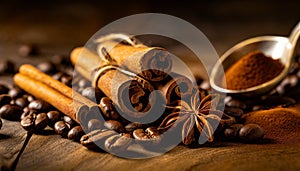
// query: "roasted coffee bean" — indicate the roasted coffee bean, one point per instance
point(67, 80)
point(28, 122)
point(28, 97)
point(4, 99)
point(236, 103)
point(273, 101)
point(115, 125)
point(53, 117)
point(21, 101)
point(94, 124)
point(118, 143)
point(60, 59)
point(26, 50)
point(61, 128)
point(39, 105)
point(69, 121)
point(0, 123)
point(47, 67)
point(41, 121)
point(7, 67)
point(233, 111)
point(108, 109)
point(25, 109)
point(3, 89)
point(15, 92)
point(58, 76)
point(83, 83)
point(11, 112)
point(251, 133)
point(75, 133)
point(133, 126)
point(151, 134)
point(89, 93)
point(96, 138)
point(232, 132)
point(26, 112)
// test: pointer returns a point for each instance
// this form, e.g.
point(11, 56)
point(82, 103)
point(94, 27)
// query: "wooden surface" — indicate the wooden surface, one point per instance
point(58, 27)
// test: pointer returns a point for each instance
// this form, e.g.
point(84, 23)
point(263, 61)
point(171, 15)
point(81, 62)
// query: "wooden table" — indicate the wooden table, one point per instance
point(57, 28)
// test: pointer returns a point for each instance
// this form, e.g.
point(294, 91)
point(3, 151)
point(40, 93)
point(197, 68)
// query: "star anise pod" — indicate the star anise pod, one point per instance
point(202, 116)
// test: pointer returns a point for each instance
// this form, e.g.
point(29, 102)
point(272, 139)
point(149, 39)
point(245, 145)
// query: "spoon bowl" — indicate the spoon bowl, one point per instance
point(276, 47)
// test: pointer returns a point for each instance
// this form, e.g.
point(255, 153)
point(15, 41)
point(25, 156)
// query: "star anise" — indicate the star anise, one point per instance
point(202, 116)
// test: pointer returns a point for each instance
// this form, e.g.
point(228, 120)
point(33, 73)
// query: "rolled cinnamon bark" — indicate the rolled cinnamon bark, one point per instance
point(151, 63)
point(176, 87)
point(128, 91)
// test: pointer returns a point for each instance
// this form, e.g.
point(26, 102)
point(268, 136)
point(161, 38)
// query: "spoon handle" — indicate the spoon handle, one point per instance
point(293, 38)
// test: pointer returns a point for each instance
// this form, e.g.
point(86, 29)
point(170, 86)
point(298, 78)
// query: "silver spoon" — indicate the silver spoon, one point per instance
point(277, 47)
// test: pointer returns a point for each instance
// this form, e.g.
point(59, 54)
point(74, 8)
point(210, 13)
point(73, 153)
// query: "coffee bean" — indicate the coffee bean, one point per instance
point(4, 99)
point(118, 143)
point(273, 101)
point(39, 105)
point(89, 93)
point(251, 133)
point(15, 92)
point(96, 138)
point(26, 50)
point(233, 111)
point(3, 89)
point(133, 126)
point(67, 80)
point(7, 67)
point(11, 112)
point(21, 101)
point(83, 83)
point(94, 124)
point(151, 134)
point(114, 125)
point(75, 133)
point(53, 117)
point(28, 97)
point(61, 128)
point(0, 123)
point(58, 75)
point(232, 132)
point(28, 122)
point(69, 121)
point(47, 67)
point(293, 80)
point(108, 109)
point(41, 121)
point(236, 103)
point(26, 112)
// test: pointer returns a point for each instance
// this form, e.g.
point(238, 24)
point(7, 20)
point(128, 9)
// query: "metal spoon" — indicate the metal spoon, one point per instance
point(277, 47)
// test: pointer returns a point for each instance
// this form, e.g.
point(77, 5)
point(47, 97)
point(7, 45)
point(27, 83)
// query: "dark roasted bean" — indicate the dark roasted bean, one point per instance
point(115, 125)
point(4, 99)
point(7, 67)
point(26, 112)
point(251, 133)
point(150, 134)
point(61, 128)
point(39, 105)
point(75, 133)
point(28, 122)
point(96, 138)
point(47, 67)
point(273, 101)
point(233, 111)
point(108, 109)
point(15, 92)
point(3, 89)
point(28, 97)
point(27, 50)
point(232, 132)
point(67, 80)
point(69, 121)
point(293, 80)
point(133, 126)
point(118, 143)
point(94, 124)
point(83, 83)
point(89, 93)
point(0, 123)
point(21, 101)
point(58, 76)
point(53, 117)
point(11, 112)
point(41, 121)
point(236, 103)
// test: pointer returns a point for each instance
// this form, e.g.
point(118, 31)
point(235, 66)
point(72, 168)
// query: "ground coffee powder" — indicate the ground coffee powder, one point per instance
point(251, 70)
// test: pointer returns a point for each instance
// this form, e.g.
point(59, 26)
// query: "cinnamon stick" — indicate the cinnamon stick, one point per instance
point(128, 91)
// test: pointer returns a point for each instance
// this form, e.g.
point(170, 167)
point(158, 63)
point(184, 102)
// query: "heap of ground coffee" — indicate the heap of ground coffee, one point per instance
point(251, 70)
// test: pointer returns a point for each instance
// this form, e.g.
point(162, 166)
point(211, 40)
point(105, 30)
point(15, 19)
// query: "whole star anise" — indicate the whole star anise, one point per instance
point(202, 115)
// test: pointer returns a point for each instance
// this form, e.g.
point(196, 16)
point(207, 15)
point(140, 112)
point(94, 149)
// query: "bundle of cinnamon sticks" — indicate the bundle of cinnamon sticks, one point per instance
point(130, 76)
